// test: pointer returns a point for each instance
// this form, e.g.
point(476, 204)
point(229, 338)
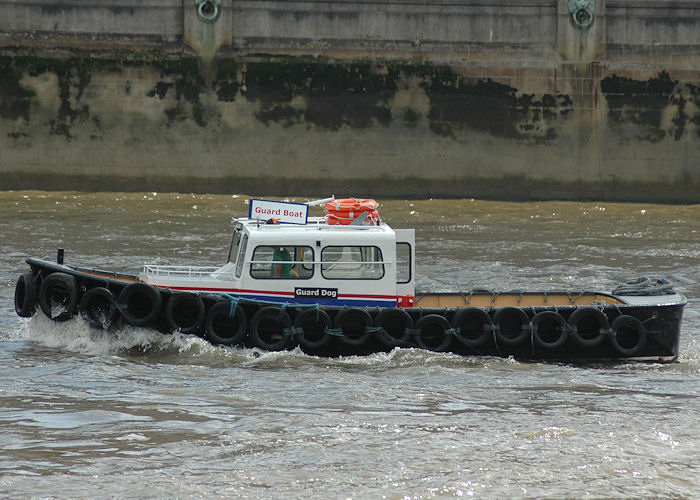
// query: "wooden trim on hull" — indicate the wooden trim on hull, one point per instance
point(123, 279)
point(513, 299)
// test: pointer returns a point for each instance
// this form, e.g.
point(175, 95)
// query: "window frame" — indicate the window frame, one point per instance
point(311, 262)
point(410, 263)
point(240, 261)
point(381, 262)
point(238, 231)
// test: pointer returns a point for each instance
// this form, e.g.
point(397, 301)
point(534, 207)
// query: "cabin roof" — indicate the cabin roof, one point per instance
point(314, 224)
point(317, 227)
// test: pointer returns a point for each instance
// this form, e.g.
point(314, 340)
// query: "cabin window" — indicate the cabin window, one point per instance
point(403, 262)
point(241, 256)
point(235, 242)
point(352, 262)
point(282, 262)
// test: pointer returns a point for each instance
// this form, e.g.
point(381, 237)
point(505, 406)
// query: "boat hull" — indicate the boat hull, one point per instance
point(551, 326)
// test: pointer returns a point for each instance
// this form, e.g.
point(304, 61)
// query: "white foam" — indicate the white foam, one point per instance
point(75, 335)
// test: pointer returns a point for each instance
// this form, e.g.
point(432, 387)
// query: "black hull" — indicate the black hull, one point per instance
point(642, 332)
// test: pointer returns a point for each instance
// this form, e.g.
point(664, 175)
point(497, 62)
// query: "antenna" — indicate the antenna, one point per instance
point(320, 202)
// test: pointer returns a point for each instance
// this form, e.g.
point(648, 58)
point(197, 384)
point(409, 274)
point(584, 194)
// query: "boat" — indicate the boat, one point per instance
point(344, 283)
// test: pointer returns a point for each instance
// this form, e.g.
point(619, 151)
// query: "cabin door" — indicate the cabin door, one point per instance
point(405, 267)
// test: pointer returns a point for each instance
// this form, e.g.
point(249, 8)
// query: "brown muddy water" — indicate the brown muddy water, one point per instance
point(139, 414)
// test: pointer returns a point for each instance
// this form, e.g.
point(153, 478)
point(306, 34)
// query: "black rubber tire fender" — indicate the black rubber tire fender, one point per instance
point(225, 324)
point(550, 330)
point(97, 307)
point(185, 312)
point(59, 290)
point(589, 326)
point(139, 304)
point(270, 329)
point(354, 323)
point(313, 324)
point(625, 327)
point(473, 326)
point(395, 325)
point(432, 333)
point(26, 295)
point(512, 325)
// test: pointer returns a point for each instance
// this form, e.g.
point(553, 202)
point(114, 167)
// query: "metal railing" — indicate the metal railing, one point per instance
point(181, 271)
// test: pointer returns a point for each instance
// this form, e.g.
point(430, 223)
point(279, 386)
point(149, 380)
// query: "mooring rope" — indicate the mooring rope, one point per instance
point(645, 286)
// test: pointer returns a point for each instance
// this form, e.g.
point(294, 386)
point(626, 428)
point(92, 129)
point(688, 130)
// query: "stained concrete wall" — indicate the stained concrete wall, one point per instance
point(439, 98)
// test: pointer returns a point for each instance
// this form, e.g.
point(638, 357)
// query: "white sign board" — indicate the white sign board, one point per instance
point(280, 211)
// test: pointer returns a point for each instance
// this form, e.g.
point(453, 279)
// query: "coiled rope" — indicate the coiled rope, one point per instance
point(645, 286)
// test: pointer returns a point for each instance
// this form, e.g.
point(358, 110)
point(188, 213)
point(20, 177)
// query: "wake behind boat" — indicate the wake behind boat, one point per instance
point(344, 283)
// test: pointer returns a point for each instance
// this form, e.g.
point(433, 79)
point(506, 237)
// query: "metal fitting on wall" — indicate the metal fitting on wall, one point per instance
point(208, 10)
point(582, 13)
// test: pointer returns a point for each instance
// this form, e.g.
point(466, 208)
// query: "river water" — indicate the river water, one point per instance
point(138, 414)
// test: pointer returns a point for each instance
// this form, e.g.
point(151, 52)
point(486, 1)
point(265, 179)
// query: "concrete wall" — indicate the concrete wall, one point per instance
point(433, 98)
point(88, 21)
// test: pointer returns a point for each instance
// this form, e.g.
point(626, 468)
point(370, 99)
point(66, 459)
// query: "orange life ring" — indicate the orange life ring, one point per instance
point(351, 205)
point(346, 210)
point(345, 218)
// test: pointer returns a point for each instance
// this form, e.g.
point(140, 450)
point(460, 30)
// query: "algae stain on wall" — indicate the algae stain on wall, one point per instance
point(83, 114)
point(183, 78)
point(15, 99)
point(328, 95)
point(315, 93)
point(360, 95)
point(410, 105)
point(461, 103)
point(653, 110)
point(53, 90)
point(296, 92)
